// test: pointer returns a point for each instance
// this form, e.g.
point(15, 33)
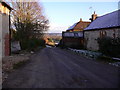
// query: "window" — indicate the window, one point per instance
point(76, 34)
point(103, 34)
point(114, 35)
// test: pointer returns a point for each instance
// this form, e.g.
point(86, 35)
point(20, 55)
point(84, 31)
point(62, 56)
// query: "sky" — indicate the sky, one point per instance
point(64, 14)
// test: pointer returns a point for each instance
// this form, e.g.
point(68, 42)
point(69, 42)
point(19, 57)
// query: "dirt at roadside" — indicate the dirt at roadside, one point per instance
point(9, 61)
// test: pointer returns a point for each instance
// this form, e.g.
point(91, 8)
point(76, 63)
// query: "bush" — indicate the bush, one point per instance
point(17, 65)
point(61, 45)
point(32, 44)
point(109, 46)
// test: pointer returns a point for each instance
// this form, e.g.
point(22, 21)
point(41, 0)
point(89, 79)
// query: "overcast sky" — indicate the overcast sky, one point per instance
point(64, 14)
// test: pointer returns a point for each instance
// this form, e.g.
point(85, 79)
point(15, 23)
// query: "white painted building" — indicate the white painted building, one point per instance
point(4, 29)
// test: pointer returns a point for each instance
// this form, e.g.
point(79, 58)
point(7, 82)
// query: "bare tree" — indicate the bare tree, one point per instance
point(28, 19)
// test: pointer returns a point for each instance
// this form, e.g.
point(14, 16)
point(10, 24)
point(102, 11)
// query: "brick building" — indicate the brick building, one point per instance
point(4, 29)
point(106, 25)
point(73, 36)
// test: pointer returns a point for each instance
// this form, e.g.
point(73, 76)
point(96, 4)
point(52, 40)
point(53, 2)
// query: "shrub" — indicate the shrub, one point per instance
point(50, 40)
point(62, 45)
point(109, 46)
point(106, 59)
point(17, 65)
point(32, 43)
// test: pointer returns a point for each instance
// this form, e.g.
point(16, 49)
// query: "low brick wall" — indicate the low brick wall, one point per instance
point(72, 41)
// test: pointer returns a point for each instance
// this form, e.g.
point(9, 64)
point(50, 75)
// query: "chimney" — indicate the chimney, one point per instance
point(80, 19)
point(94, 16)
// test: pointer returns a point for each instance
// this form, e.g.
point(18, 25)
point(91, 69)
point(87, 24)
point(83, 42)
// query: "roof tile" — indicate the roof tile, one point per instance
point(79, 25)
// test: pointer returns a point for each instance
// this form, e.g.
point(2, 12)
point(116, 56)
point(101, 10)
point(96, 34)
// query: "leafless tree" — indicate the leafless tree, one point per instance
point(28, 19)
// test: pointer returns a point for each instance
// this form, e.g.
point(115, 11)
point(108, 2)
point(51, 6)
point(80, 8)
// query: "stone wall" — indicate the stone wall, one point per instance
point(90, 37)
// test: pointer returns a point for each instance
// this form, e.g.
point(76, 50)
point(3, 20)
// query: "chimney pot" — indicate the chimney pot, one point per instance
point(80, 19)
point(94, 16)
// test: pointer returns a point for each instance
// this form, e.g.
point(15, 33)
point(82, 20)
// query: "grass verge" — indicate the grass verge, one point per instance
point(19, 64)
point(106, 59)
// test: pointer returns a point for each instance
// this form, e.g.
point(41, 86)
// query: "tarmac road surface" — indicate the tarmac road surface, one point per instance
point(58, 68)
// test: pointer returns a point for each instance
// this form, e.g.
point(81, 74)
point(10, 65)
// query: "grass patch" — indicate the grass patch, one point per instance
point(19, 64)
point(105, 59)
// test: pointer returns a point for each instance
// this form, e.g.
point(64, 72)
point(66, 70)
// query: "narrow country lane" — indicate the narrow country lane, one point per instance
point(57, 68)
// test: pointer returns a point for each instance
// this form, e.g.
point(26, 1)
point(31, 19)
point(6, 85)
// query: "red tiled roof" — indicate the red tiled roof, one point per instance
point(79, 25)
